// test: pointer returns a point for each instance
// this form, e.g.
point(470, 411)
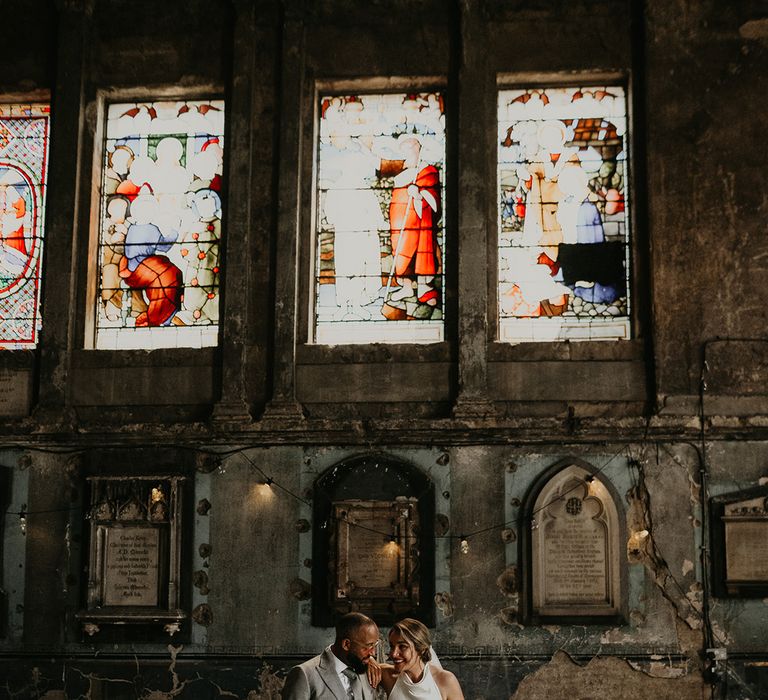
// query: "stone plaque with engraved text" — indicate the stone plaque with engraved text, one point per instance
point(131, 566)
point(746, 541)
point(575, 561)
point(15, 392)
point(575, 548)
point(376, 554)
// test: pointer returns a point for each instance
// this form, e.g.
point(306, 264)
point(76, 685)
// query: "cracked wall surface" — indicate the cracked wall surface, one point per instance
point(563, 679)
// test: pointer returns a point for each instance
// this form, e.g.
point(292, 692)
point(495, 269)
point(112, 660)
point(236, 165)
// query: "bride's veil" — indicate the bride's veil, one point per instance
point(434, 661)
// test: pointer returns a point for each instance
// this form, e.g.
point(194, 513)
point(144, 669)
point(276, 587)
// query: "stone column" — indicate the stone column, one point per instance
point(476, 90)
point(478, 515)
point(61, 303)
point(49, 596)
point(237, 293)
point(283, 406)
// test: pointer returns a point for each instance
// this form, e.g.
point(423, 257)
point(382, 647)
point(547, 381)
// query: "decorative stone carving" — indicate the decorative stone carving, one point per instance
point(135, 560)
point(203, 615)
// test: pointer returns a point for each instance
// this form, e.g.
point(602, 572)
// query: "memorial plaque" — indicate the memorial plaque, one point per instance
point(746, 547)
point(746, 541)
point(15, 392)
point(131, 566)
point(376, 553)
point(365, 555)
point(575, 548)
point(575, 559)
point(134, 562)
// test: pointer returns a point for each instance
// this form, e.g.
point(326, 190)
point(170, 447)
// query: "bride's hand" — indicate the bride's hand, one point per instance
point(373, 672)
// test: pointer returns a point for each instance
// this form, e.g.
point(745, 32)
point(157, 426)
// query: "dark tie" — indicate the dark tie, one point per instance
point(355, 692)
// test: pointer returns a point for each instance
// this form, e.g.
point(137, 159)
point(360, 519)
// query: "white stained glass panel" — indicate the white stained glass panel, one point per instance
point(563, 249)
point(160, 225)
point(379, 246)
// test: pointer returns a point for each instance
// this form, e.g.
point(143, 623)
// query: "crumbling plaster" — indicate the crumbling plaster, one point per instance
point(246, 522)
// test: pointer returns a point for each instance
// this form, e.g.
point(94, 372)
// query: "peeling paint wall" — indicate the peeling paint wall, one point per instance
point(250, 588)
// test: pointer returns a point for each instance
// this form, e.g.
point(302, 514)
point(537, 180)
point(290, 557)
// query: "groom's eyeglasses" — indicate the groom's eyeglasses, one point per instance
point(366, 645)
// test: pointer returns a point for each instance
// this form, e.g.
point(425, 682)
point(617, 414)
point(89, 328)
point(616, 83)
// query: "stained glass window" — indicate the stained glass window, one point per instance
point(160, 225)
point(23, 182)
point(563, 214)
point(379, 248)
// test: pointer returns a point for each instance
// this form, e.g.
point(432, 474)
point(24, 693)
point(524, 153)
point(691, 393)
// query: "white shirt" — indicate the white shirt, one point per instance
point(340, 666)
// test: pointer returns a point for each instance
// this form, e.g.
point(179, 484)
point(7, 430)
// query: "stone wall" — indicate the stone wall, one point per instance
point(668, 420)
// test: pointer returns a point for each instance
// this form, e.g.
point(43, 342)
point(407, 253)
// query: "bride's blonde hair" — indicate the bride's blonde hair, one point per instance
point(417, 634)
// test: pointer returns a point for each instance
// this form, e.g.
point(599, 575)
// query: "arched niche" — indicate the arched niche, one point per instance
point(373, 541)
point(573, 564)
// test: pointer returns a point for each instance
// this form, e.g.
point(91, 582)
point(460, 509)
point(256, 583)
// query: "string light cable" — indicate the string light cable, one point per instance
point(269, 480)
point(498, 526)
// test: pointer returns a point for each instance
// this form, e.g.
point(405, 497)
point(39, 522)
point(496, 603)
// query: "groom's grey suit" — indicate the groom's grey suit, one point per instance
point(317, 679)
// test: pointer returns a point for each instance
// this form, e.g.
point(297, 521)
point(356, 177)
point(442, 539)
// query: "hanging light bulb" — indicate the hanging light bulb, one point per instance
point(464, 545)
point(263, 489)
point(23, 519)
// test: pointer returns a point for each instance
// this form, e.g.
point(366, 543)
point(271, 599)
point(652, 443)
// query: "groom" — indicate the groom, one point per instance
point(339, 672)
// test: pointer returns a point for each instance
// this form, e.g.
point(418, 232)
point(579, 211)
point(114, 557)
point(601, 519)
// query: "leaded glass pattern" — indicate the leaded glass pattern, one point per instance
point(563, 255)
point(379, 246)
point(160, 225)
point(24, 130)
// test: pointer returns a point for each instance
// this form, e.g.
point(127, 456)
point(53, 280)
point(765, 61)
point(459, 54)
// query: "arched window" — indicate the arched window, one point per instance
point(572, 552)
point(373, 541)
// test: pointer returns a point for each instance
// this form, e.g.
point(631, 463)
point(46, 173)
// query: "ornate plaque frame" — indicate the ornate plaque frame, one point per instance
point(373, 541)
point(739, 544)
point(374, 570)
point(134, 562)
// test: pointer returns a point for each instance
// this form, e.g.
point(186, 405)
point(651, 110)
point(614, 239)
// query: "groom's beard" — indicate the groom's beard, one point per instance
point(356, 663)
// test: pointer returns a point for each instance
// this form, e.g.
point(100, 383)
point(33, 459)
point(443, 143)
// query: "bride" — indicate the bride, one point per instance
point(414, 674)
